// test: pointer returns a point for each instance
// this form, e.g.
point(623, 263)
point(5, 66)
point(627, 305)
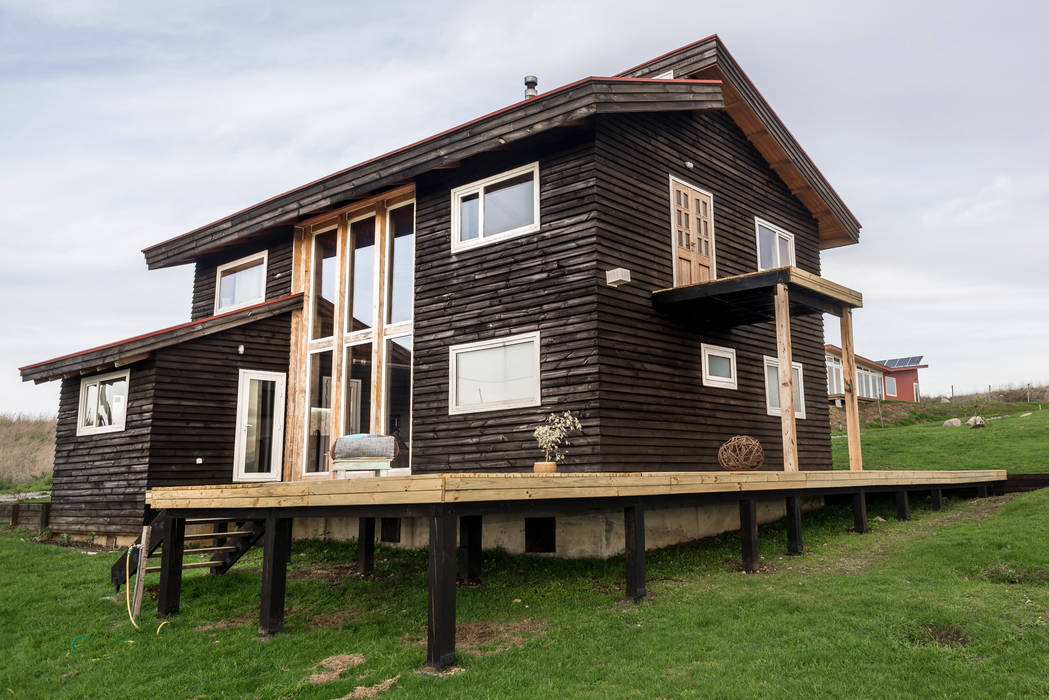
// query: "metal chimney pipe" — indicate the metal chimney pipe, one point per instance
point(531, 83)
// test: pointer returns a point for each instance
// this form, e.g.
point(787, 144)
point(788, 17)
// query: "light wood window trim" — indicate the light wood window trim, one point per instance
point(719, 382)
point(478, 187)
point(799, 410)
point(262, 255)
point(780, 231)
point(535, 400)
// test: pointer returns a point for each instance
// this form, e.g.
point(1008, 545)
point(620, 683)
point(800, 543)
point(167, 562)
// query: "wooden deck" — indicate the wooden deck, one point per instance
point(479, 488)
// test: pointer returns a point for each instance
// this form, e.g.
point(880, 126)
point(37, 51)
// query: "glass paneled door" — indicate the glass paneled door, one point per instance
point(259, 447)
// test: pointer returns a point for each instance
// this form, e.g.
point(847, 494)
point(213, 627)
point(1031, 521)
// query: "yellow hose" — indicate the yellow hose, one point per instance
point(127, 585)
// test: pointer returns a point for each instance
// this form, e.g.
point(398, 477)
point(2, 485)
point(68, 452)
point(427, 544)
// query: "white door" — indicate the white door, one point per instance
point(259, 446)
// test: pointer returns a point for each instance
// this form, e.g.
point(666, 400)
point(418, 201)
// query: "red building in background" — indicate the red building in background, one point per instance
point(894, 380)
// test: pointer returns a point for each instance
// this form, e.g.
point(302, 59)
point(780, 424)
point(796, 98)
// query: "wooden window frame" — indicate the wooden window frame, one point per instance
point(673, 223)
point(455, 350)
point(385, 402)
point(479, 187)
point(799, 411)
point(719, 351)
point(242, 263)
point(280, 406)
point(779, 231)
point(81, 429)
point(894, 393)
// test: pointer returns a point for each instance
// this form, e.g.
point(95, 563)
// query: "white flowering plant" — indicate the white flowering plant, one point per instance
point(552, 435)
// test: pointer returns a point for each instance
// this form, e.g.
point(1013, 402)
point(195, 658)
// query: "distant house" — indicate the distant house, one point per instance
point(894, 380)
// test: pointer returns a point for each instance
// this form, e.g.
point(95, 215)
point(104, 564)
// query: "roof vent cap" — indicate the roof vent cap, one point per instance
point(531, 83)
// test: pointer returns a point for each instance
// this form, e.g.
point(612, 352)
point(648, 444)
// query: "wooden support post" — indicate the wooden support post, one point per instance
point(981, 491)
point(275, 550)
point(45, 513)
point(14, 515)
point(794, 545)
point(440, 631)
point(171, 566)
point(937, 499)
point(366, 545)
point(785, 359)
point(140, 573)
point(859, 511)
point(470, 548)
point(634, 527)
point(748, 534)
point(852, 407)
point(903, 505)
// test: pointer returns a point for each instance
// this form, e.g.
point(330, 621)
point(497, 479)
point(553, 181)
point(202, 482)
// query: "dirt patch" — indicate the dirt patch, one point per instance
point(946, 636)
point(335, 619)
point(488, 638)
point(1004, 573)
point(227, 624)
point(327, 572)
point(335, 666)
point(371, 691)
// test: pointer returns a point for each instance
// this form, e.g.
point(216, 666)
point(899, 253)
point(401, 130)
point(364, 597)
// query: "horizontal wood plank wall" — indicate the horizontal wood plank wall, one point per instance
point(543, 281)
point(196, 400)
point(655, 413)
point(278, 270)
point(100, 480)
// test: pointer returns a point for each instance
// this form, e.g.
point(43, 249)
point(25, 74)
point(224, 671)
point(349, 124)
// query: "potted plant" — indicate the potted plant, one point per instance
point(552, 437)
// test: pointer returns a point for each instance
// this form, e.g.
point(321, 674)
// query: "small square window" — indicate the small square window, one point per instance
point(240, 283)
point(775, 246)
point(772, 388)
point(494, 374)
point(719, 366)
point(103, 403)
point(498, 207)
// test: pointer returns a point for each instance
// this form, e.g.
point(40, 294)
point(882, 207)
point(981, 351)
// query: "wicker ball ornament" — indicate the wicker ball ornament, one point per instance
point(741, 453)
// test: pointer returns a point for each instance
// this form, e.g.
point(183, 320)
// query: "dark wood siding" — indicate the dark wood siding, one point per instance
point(100, 480)
point(544, 281)
point(654, 411)
point(278, 270)
point(196, 400)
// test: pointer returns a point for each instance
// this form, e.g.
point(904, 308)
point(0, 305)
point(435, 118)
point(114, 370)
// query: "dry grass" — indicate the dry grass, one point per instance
point(27, 447)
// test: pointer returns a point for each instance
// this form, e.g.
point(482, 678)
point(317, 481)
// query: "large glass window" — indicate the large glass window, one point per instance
point(498, 207)
point(399, 395)
point(318, 426)
point(240, 283)
point(362, 275)
point(324, 249)
point(772, 388)
point(103, 403)
point(494, 374)
point(868, 383)
point(775, 246)
point(357, 371)
point(402, 264)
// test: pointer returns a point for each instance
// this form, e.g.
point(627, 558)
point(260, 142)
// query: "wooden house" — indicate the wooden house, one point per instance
point(891, 380)
point(642, 250)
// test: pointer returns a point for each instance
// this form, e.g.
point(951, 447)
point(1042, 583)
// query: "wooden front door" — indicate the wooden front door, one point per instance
point(693, 226)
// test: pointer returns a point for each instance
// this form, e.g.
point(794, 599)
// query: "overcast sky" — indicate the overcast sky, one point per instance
point(126, 123)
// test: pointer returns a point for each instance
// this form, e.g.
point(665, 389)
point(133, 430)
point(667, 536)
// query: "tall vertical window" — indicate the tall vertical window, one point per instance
point(498, 207)
point(775, 246)
point(398, 363)
point(890, 386)
point(240, 283)
point(318, 433)
point(361, 303)
point(772, 388)
point(835, 385)
point(325, 246)
point(103, 403)
point(357, 383)
point(402, 264)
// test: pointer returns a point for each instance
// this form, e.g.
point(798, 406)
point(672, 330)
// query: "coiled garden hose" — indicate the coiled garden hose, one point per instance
point(127, 585)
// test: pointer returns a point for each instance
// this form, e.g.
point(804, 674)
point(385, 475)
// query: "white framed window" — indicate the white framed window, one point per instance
point(241, 282)
point(775, 246)
point(103, 403)
point(868, 384)
point(499, 207)
point(494, 374)
point(890, 386)
point(259, 447)
point(669, 75)
point(772, 388)
point(917, 396)
point(835, 383)
point(719, 366)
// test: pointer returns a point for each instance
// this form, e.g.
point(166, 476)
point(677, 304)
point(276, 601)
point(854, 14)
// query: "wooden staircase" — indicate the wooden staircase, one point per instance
point(226, 543)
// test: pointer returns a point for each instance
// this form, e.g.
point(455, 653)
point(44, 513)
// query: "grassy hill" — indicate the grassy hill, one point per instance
point(1019, 445)
point(27, 451)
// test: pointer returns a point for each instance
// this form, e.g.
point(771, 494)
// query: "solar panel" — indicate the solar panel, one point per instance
point(902, 362)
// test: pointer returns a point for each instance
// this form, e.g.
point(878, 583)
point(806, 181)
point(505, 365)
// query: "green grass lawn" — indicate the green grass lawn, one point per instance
point(953, 603)
point(1019, 445)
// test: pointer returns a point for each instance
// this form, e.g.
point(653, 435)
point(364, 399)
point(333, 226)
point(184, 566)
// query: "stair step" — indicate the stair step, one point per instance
point(190, 565)
point(213, 535)
point(209, 550)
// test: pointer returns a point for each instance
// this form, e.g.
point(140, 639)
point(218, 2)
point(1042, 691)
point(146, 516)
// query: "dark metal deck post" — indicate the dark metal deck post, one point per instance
point(981, 491)
point(794, 545)
point(440, 632)
point(276, 547)
point(748, 534)
point(634, 528)
point(859, 511)
point(171, 566)
point(470, 548)
point(937, 499)
point(903, 505)
point(366, 545)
